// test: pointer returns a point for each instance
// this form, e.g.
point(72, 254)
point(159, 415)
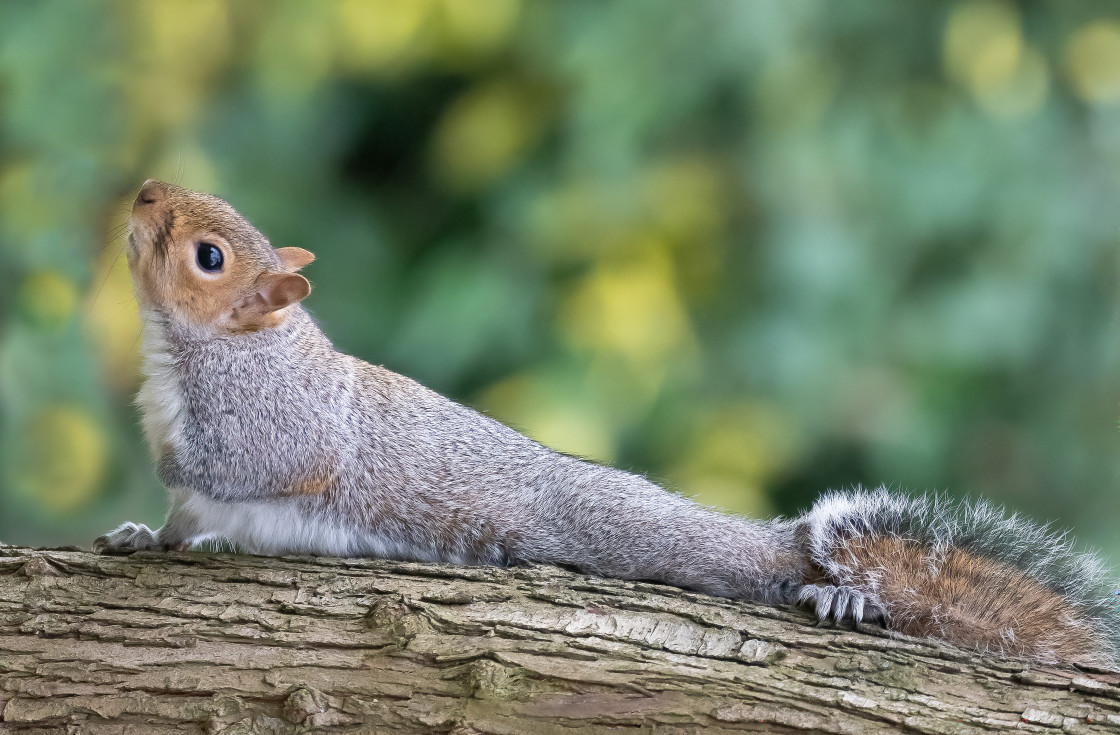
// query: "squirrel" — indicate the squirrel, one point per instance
point(267, 437)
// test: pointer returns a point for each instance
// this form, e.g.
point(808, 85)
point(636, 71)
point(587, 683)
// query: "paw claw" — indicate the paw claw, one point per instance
point(840, 604)
point(125, 538)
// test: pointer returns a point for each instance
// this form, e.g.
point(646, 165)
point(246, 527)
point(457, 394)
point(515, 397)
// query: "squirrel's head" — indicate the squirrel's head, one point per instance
point(193, 256)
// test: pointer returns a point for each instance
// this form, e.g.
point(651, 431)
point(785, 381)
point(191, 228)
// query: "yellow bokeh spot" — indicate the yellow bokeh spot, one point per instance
point(181, 45)
point(484, 133)
point(984, 50)
point(25, 201)
point(737, 450)
point(113, 320)
point(469, 28)
point(685, 200)
point(183, 32)
point(297, 49)
point(682, 202)
point(578, 219)
point(567, 429)
point(982, 42)
point(995, 61)
point(631, 309)
point(726, 493)
point(1024, 92)
point(546, 413)
point(1093, 57)
point(61, 459)
point(374, 37)
point(47, 299)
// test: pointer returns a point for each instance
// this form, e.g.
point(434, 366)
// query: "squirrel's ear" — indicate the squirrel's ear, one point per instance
point(294, 258)
point(271, 292)
point(282, 289)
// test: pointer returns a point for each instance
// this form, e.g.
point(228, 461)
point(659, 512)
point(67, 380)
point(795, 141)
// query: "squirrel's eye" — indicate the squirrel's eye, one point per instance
point(209, 257)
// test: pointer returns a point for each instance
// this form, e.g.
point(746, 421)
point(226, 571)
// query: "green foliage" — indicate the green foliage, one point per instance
point(755, 249)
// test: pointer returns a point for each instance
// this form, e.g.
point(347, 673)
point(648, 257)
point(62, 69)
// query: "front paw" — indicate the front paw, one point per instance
point(842, 604)
point(126, 538)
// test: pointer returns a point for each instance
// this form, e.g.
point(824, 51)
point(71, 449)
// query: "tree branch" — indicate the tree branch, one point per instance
point(170, 643)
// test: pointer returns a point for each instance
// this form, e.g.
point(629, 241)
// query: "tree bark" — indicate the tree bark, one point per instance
point(222, 643)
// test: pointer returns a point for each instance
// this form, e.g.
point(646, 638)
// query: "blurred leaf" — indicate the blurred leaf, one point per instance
point(62, 459)
point(485, 132)
point(47, 299)
point(376, 42)
point(113, 318)
point(1094, 61)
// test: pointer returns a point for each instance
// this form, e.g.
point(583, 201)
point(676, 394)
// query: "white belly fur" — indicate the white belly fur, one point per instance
point(160, 398)
point(283, 527)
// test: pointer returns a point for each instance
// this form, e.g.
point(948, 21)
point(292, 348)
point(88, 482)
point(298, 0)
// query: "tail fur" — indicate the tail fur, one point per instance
point(970, 574)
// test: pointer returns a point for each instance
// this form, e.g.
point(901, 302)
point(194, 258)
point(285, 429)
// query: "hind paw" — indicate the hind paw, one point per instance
point(841, 604)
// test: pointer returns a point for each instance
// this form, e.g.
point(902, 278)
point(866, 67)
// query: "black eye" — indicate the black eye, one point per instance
point(209, 257)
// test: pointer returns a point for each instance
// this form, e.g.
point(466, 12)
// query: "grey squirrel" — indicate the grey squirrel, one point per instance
point(266, 436)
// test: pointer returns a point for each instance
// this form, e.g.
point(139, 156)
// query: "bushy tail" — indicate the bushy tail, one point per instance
point(970, 574)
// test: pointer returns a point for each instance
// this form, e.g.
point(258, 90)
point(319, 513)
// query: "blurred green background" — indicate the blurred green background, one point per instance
point(753, 249)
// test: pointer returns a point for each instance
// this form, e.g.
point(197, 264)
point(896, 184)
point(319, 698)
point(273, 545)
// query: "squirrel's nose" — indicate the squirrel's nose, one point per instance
point(150, 192)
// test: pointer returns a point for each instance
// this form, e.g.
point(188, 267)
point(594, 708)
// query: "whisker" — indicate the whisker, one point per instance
point(113, 235)
point(105, 278)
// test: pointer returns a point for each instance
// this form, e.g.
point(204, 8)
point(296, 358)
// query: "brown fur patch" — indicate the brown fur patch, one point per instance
point(971, 601)
point(311, 486)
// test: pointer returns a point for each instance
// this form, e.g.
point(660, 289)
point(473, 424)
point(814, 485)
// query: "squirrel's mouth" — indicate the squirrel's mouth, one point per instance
point(153, 214)
point(150, 232)
point(147, 256)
